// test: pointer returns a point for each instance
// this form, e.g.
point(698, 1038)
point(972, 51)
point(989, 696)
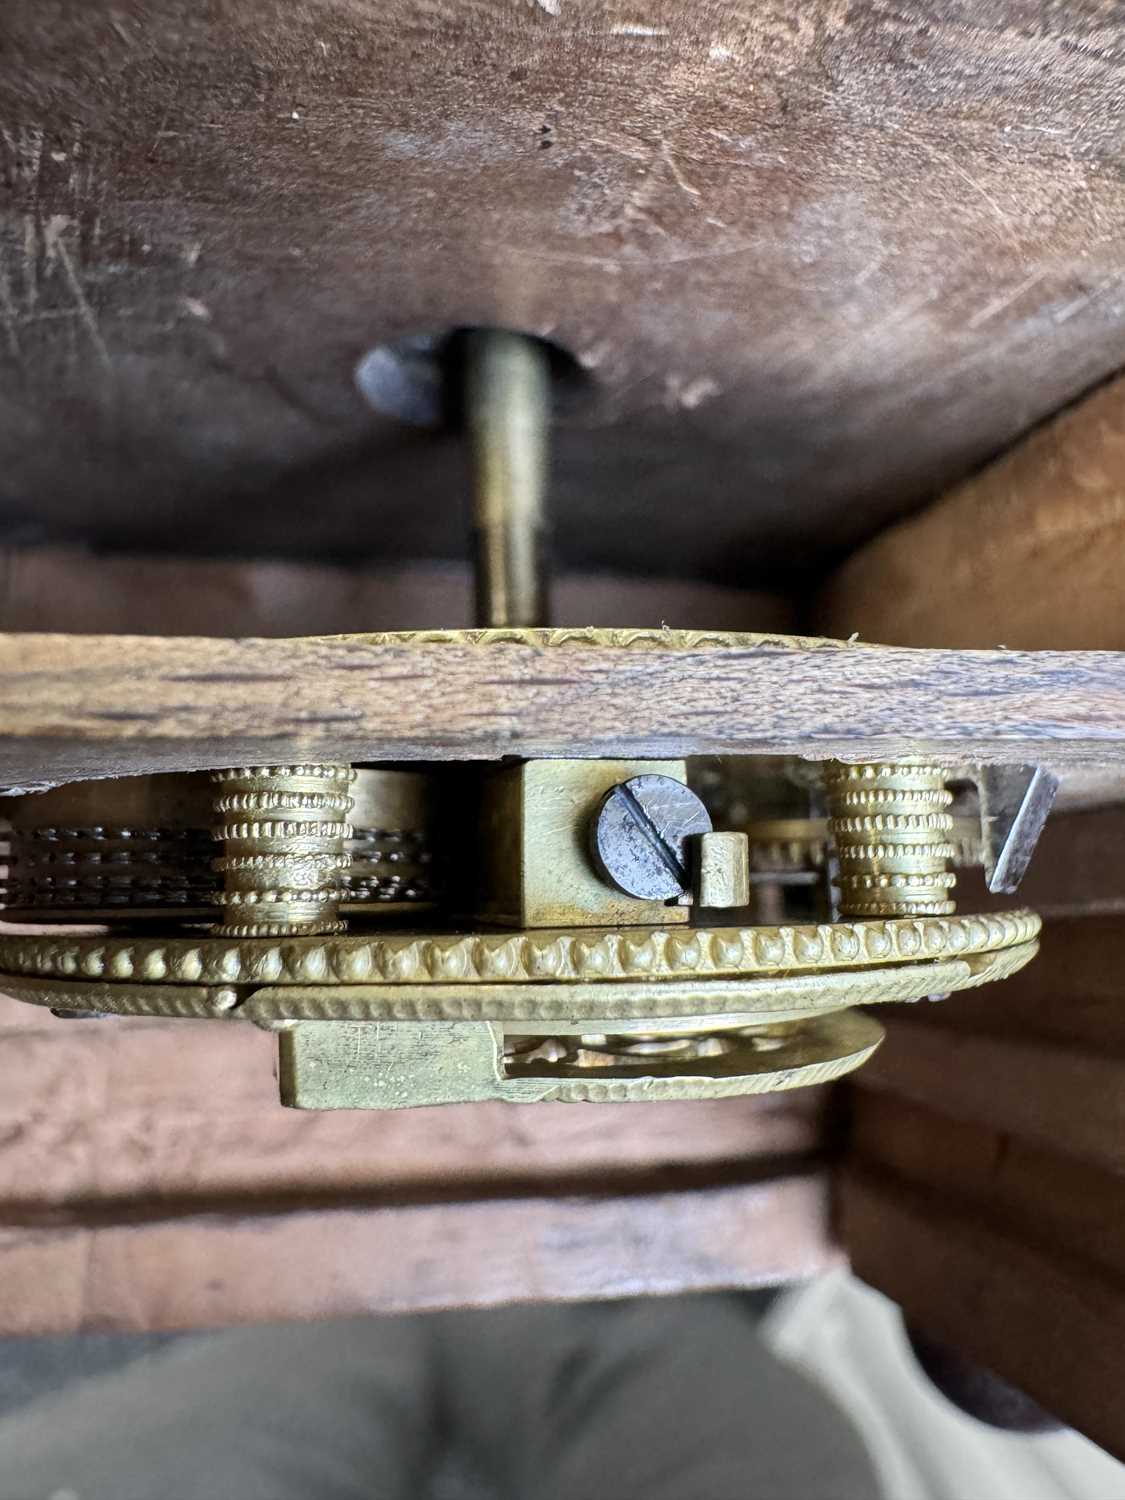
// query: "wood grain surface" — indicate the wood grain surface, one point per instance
point(1029, 553)
point(1069, 997)
point(1040, 1057)
point(74, 706)
point(1048, 1320)
point(1069, 1097)
point(150, 1179)
point(135, 1117)
point(223, 1269)
point(816, 263)
point(813, 267)
point(1079, 870)
point(1046, 1197)
point(58, 589)
point(984, 1185)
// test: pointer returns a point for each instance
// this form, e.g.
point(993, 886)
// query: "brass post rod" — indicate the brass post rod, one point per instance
point(507, 400)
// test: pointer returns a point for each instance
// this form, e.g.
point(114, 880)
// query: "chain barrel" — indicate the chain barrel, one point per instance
point(892, 830)
point(284, 831)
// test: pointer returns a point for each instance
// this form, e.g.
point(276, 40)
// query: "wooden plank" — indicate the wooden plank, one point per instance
point(1071, 995)
point(64, 589)
point(73, 706)
point(984, 1188)
point(149, 1178)
point(225, 1269)
point(1078, 869)
point(815, 268)
point(1051, 1323)
point(1028, 553)
point(113, 1117)
point(1042, 1197)
point(1070, 1098)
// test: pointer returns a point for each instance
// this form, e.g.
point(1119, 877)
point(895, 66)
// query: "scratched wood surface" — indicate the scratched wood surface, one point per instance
point(814, 267)
point(817, 262)
point(74, 706)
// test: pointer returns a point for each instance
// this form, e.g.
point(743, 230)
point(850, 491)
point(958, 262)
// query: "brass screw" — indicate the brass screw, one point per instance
point(283, 830)
point(892, 832)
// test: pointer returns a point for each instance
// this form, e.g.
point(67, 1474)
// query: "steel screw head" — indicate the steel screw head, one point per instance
point(639, 834)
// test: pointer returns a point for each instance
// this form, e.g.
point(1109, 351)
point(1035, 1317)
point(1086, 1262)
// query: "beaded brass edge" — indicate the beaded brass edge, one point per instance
point(767, 999)
point(779, 997)
point(190, 1001)
point(593, 954)
point(988, 967)
point(617, 1001)
point(647, 639)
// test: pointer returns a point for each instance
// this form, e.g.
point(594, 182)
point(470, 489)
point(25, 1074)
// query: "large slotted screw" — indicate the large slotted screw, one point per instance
point(639, 837)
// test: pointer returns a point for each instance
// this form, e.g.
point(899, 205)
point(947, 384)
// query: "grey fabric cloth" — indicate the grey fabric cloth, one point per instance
point(665, 1400)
